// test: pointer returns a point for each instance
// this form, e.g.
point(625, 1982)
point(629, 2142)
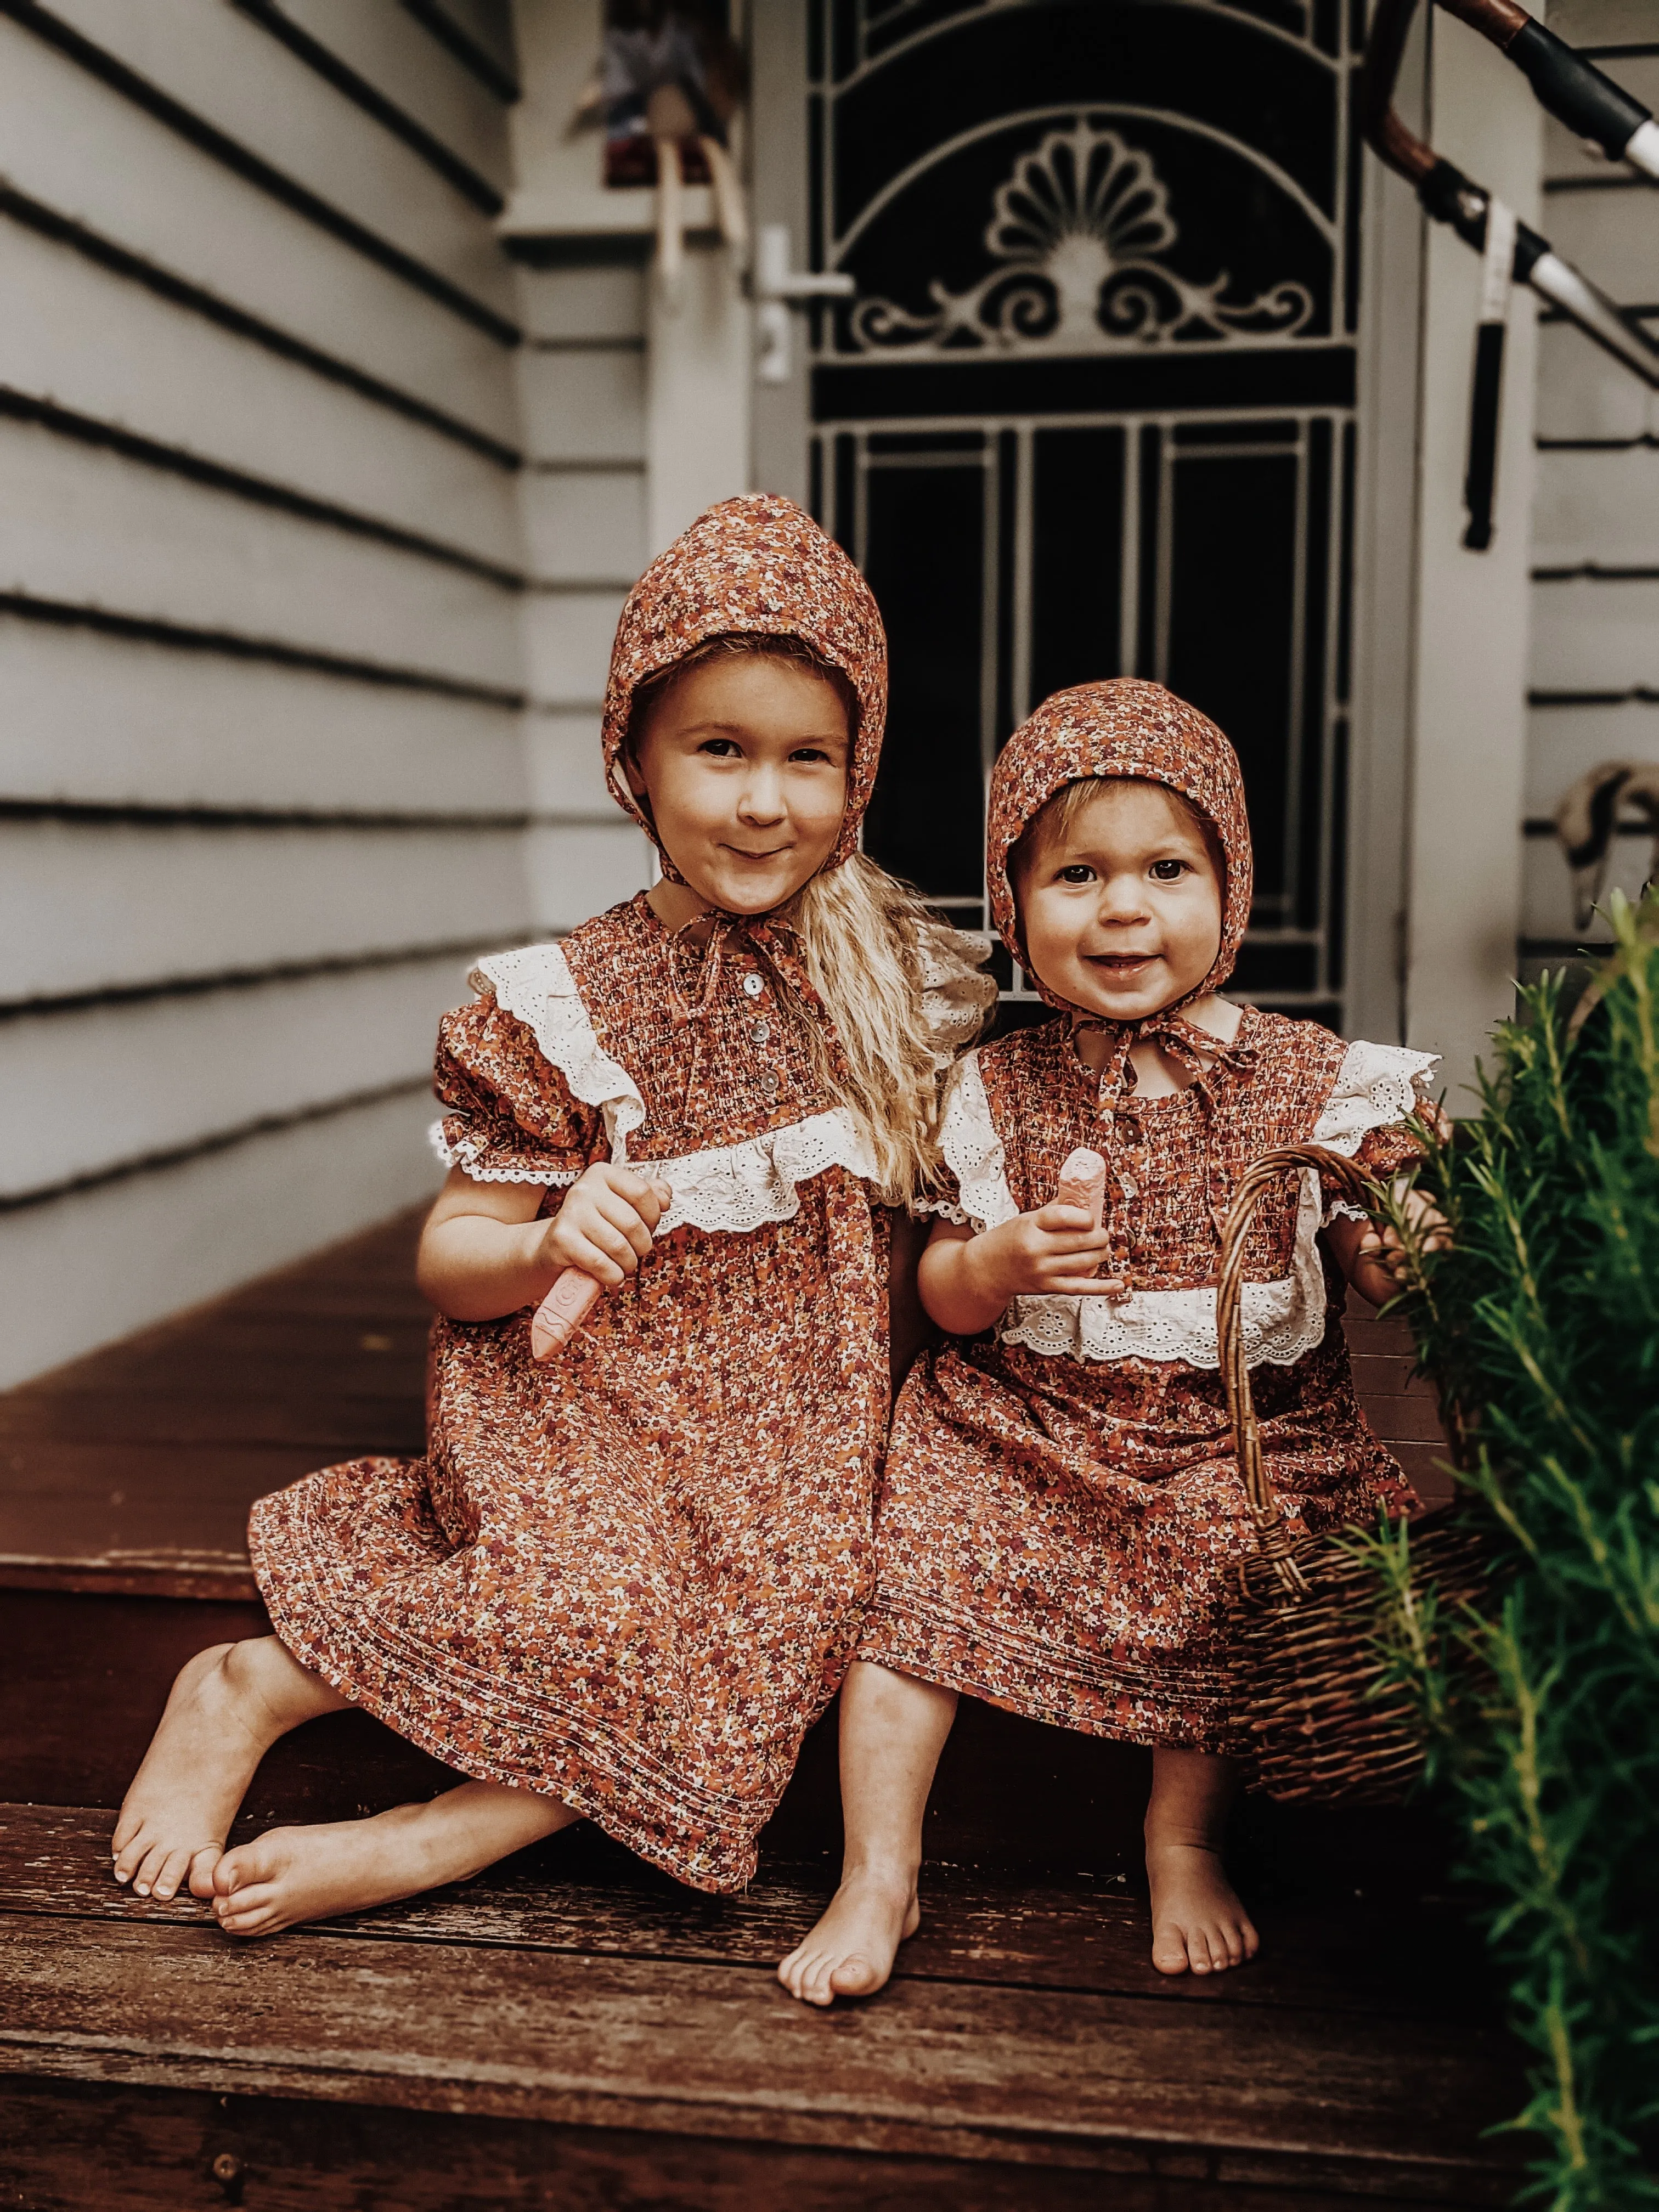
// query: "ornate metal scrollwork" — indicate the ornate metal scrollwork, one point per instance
point(1079, 232)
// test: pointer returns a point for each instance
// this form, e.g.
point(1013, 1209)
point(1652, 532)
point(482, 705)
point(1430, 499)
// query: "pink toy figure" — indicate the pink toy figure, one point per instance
point(573, 1297)
point(1082, 1182)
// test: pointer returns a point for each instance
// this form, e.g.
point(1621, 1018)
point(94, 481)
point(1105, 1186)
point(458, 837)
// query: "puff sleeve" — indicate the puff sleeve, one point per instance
point(510, 1116)
point(1376, 1088)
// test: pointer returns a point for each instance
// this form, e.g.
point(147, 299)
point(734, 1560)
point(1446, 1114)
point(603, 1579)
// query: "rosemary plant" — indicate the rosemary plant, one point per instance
point(1540, 1327)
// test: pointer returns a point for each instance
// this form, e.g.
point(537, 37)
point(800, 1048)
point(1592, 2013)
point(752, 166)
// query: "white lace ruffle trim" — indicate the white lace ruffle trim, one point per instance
point(1376, 1085)
point(730, 1187)
point(464, 1154)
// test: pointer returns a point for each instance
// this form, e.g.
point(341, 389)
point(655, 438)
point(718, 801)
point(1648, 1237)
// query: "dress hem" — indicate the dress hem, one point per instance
point(719, 1872)
point(910, 1637)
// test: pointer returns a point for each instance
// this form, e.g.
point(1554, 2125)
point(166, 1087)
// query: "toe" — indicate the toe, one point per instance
point(131, 1857)
point(1168, 1949)
point(853, 1978)
point(201, 1869)
point(1252, 1941)
point(233, 1871)
point(169, 1874)
point(148, 1869)
point(812, 1981)
point(249, 1906)
point(1197, 1951)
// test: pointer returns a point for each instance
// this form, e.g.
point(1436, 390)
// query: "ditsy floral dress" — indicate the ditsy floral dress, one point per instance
point(631, 1578)
point(1060, 1503)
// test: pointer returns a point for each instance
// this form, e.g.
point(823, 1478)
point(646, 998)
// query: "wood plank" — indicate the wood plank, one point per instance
point(146, 191)
point(1407, 1418)
point(333, 1429)
point(393, 53)
point(110, 721)
point(930, 2068)
point(188, 382)
point(87, 907)
point(583, 1895)
point(221, 65)
point(86, 525)
point(250, 1052)
point(70, 2144)
point(119, 1508)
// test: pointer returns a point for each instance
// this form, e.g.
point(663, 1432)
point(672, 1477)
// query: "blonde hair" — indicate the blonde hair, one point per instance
point(904, 992)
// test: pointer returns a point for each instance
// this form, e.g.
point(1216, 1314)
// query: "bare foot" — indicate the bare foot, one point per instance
point(1198, 1924)
point(218, 1725)
point(851, 1951)
point(293, 1875)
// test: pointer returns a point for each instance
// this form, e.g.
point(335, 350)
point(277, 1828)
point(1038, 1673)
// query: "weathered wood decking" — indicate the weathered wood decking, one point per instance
point(574, 2030)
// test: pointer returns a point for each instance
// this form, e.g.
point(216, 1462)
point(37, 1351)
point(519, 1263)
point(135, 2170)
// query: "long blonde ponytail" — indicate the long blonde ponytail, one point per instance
point(904, 994)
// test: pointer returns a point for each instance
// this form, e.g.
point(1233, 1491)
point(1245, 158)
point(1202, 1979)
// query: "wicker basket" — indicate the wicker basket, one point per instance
point(1307, 1676)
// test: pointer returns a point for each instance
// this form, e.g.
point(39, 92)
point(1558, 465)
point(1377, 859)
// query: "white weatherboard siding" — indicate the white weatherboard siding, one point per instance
point(84, 1270)
point(90, 153)
point(585, 493)
point(94, 528)
point(93, 1087)
point(264, 782)
point(118, 721)
point(1593, 677)
point(113, 351)
point(85, 905)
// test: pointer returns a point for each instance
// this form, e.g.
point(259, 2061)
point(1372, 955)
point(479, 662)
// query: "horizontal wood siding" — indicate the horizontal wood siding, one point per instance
point(84, 150)
point(263, 777)
point(581, 373)
point(1594, 676)
point(95, 1091)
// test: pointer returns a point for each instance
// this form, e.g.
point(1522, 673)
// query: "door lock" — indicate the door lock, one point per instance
point(777, 288)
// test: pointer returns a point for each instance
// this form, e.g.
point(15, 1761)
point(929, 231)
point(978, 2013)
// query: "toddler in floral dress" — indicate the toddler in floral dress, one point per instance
point(1060, 1507)
point(622, 1584)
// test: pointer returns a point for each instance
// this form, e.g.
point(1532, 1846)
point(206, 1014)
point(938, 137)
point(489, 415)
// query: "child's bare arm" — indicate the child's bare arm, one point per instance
point(484, 1253)
point(1374, 1258)
point(966, 1282)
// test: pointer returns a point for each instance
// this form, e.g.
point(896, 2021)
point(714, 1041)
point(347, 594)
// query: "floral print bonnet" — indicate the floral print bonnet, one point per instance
point(1124, 727)
point(757, 565)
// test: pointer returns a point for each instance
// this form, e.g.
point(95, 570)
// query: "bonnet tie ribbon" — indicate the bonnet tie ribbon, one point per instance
point(1204, 1056)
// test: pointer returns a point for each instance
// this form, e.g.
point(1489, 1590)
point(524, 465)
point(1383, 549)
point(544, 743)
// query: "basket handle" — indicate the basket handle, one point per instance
point(1273, 1539)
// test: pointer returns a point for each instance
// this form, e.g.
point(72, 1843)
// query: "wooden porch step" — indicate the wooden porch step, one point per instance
point(1026, 2053)
point(573, 2030)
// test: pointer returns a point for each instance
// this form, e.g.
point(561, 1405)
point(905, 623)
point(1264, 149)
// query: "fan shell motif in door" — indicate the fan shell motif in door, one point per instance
point(1078, 232)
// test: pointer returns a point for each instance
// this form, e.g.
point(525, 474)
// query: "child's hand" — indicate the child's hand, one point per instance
point(1379, 1266)
point(1050, 1254)
point(605, 1225)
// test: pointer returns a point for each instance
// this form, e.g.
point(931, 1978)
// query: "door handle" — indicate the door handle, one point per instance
point(777, 288)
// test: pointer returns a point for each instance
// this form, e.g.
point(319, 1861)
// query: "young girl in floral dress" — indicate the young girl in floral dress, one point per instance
point(622, 1585)
point(1060, 1506)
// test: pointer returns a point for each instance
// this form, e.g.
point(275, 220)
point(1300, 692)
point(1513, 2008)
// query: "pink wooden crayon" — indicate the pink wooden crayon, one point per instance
point(570, 1301)
point(1083, 1183)
point(563, 1312)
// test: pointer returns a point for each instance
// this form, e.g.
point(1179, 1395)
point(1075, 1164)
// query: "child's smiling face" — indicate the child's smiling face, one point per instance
point(743, 764)
point(1120, 907)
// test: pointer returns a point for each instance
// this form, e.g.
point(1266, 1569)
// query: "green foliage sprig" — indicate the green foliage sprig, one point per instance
point(1539, 1326)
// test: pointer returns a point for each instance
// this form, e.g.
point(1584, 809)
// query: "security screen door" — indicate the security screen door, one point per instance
point(1091, 411)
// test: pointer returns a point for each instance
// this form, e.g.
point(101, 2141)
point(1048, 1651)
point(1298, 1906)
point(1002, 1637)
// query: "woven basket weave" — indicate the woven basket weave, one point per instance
point(1307, 1678)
